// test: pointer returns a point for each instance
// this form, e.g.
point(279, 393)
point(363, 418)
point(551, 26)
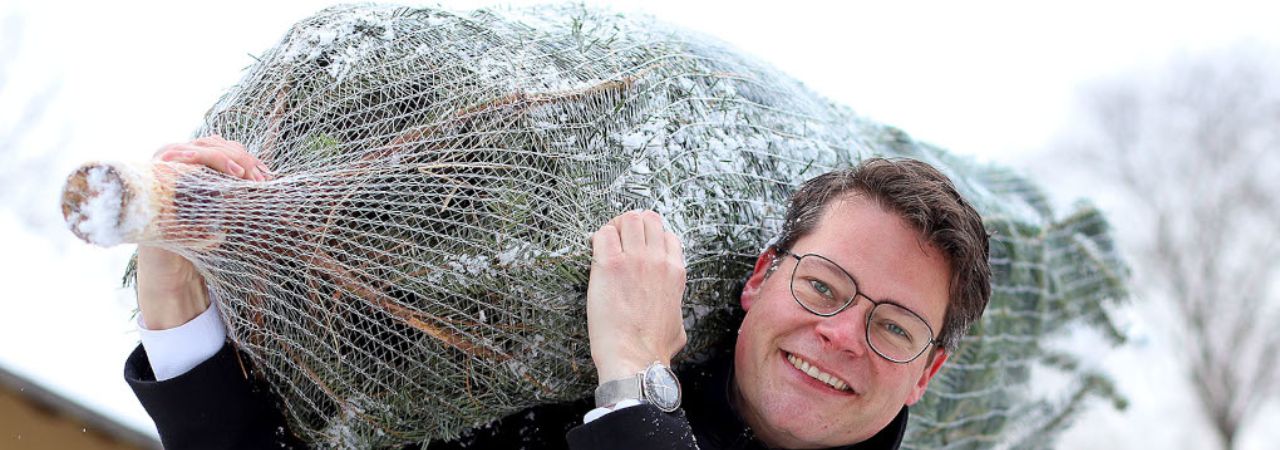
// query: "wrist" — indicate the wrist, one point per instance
point(620, 369)
point(170, 291)
point(656, 384)
point(163, 308)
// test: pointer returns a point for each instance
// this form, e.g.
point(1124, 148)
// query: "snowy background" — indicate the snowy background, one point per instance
point(995, 80)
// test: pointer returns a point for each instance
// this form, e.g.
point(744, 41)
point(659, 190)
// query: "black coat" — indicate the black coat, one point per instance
point(218, 405)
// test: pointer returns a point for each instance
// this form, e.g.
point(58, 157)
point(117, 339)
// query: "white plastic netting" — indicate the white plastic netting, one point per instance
point(419, 264)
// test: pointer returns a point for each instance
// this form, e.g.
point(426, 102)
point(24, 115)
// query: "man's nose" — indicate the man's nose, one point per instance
point(845, 331)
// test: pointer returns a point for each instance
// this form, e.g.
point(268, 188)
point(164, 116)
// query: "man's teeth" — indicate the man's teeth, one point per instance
point(817, 374)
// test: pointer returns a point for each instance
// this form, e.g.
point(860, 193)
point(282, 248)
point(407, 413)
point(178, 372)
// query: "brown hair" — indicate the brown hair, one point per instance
point(927, 200)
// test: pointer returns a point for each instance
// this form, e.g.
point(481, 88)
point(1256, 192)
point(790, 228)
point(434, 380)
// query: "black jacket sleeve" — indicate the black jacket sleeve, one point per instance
point(638, 427)
point(216, 405)
point(219, 404)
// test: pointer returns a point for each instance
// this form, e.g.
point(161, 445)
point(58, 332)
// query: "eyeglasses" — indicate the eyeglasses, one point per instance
point(824, 288)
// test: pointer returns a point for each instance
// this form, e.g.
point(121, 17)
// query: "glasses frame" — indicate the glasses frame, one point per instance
point(857, 291)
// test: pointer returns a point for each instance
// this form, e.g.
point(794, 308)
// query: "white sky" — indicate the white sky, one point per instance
point(990, 79)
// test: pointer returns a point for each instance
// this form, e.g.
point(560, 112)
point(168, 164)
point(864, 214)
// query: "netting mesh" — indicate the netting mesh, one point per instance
point(419, 264)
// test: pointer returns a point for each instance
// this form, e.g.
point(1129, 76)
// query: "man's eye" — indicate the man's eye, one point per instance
point(897, 330)
point(821, 288)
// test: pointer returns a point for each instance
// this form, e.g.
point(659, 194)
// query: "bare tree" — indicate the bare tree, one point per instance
point(1194, 150)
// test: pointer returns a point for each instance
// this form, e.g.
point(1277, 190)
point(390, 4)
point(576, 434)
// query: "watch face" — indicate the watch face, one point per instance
point(662, 388)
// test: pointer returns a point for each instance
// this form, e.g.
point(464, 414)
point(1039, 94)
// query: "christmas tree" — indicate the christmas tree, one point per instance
point(418, 265)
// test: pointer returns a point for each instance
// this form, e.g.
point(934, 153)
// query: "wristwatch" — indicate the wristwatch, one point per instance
point(656, 385)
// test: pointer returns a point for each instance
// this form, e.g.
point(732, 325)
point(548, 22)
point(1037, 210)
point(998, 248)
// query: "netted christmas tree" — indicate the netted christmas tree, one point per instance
point(418, 265)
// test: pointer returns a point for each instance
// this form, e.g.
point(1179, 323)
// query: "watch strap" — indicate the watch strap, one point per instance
point(613, 391)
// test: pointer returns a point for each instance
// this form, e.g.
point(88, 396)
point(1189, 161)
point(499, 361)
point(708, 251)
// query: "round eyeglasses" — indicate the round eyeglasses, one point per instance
point(824, 288)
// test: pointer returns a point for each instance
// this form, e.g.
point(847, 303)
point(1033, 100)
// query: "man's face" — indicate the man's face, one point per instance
point(787, 407)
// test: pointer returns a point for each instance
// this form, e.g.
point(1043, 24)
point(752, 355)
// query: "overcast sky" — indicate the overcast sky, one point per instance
point(994, 80)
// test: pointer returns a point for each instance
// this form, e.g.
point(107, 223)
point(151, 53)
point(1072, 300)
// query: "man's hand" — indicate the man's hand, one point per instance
point(633, 298)
point(170, 291)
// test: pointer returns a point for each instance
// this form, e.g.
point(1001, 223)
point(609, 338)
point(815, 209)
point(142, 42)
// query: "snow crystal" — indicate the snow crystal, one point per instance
point(472, 265)
point(340, 432)
point(635, 141)
point(98, 218)
point(512, 253)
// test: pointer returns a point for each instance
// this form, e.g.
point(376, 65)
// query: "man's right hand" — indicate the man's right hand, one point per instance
point(170, 290)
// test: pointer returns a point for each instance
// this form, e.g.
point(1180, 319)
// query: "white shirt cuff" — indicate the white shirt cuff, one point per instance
point(601, 411)
point(175, 351)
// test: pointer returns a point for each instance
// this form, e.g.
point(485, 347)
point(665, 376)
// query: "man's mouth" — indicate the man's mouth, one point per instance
point(813, 372)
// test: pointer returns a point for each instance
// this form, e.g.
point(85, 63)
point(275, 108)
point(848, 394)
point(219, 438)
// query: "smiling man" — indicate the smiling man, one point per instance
point(879, 271)
point(839, 333)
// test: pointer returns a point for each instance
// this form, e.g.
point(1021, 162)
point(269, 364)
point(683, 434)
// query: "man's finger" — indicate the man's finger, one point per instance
point(674, 248)
point(243, 159)
point(605, 243)
point(170, 154)
point(253, 169)
point(631, 228)
point(186, 153)
point(262, 168)
point(653, 231)
point(207, 141)
point(215, 160)
point(169, 148)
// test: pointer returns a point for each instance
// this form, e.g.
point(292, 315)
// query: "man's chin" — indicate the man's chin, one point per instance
point(806, 421)
point(791, 423)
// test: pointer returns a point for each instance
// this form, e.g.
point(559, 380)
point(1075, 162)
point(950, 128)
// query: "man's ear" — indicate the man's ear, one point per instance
point(752, 289)
point(936, 358)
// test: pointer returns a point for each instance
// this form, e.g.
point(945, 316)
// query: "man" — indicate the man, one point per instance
point(837, 338)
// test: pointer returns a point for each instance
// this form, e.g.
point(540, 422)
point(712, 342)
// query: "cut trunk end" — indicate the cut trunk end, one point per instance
point(108, 204)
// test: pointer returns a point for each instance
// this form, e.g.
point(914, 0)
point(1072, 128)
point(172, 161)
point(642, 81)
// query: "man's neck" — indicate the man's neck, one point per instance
point(753, 421)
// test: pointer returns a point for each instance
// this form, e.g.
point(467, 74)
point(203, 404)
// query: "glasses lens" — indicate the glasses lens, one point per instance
point(897, 333)
point(822, 287)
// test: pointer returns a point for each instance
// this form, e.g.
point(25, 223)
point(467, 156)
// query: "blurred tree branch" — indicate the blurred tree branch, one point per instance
point(1195, 153)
